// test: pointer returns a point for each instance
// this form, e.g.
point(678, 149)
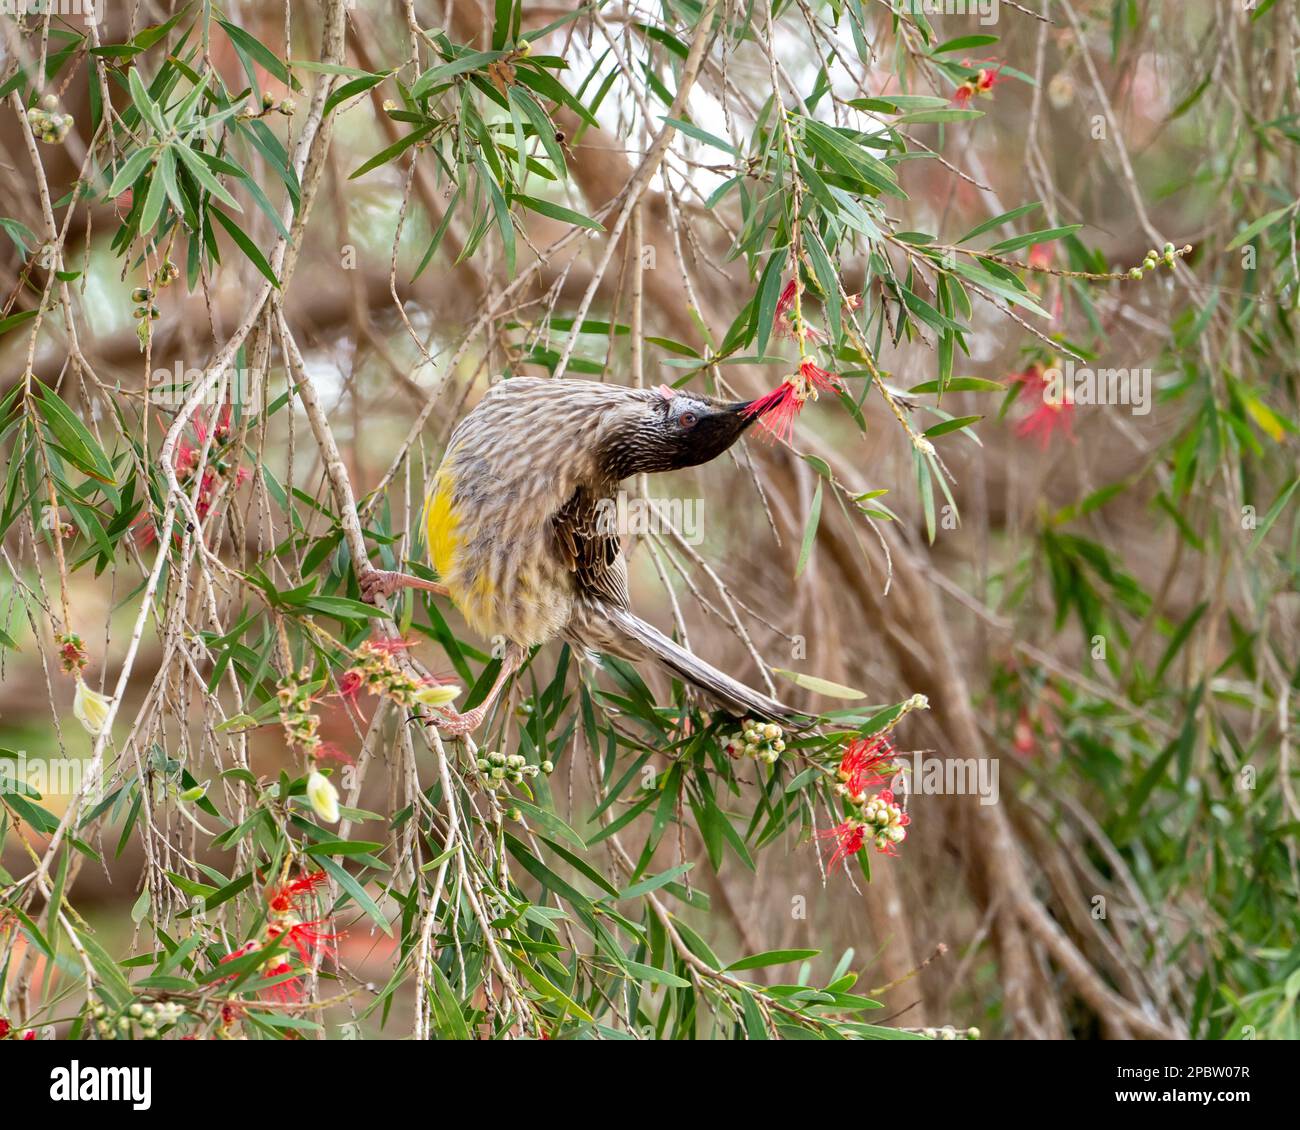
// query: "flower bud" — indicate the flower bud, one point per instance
point(91, 708)
point(440, 694)
point(324, 797)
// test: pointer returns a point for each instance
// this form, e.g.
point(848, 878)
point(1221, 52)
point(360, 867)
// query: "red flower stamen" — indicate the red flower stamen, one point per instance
point(849, 838)
point(284, 897)
point(863, 759)
point(777, 410)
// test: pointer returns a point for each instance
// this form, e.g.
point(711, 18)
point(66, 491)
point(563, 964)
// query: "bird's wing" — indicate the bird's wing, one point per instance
point(586, 537)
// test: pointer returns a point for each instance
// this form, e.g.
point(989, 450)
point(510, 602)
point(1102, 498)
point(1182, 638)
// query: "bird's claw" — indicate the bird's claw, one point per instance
point(375, 583)
point(455, 725)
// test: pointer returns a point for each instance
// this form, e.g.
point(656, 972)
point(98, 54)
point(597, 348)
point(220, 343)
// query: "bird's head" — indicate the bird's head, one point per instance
point(665, 430)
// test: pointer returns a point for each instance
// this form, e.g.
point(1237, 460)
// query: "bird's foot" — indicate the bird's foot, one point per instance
point(458, 725)
point(375, 583)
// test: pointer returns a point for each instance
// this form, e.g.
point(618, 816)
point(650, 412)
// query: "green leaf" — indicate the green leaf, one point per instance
point(810, 530)
point(1274, 512)
point(246, 245)
point(556, 212)
point(770, 957)
point(1044, 236)
point(818, 686)
point(998, 221)
point(259, 51)
point(1251, 231)
point(955, 424)
point(73, 436)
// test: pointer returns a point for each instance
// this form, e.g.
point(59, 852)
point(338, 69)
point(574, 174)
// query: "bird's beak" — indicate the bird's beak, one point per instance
point(746, 411)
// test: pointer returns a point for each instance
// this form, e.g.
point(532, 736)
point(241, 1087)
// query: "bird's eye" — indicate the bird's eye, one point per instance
point(687, 419)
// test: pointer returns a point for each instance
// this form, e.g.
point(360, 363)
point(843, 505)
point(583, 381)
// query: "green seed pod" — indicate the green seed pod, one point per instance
point(1169, 248)
point(141, 294)
point(1135, 274)
point(548, 767)
point(515, 814)
point(140, 312)
point(136, 1009)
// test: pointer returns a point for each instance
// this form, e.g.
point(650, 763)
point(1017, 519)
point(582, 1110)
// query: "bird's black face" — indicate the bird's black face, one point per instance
point(681, 430)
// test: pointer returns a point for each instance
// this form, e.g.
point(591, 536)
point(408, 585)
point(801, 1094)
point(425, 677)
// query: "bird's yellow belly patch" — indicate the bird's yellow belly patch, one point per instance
point(441, 525)
point(470, 588)
point(501, 585)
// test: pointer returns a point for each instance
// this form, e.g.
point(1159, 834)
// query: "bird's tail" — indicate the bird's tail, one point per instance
point(732, 695)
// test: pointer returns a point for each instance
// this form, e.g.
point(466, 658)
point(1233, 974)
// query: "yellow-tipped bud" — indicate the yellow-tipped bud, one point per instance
point(438, 695)
point(324, 797)
point(91, 708)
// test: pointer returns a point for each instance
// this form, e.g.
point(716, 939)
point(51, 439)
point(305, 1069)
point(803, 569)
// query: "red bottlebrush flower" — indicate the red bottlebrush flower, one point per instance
point(785, 302)
point(247, 948)
point(350, 684)
point(819, 380)
point(292, 991)
point(1031, 378)
point(30, 1034)
point(187, 458)
point(4, 1029)
point(849, 838)
point(306, 940)
point(863, 759)
point(284, 897)
point(987, 79)
point(982, 82)
point(783, 323)
point(328, 751)
point(777, 410)
point(1046, 420)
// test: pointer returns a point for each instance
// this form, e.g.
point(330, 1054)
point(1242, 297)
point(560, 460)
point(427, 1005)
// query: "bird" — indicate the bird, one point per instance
point(519, 530)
